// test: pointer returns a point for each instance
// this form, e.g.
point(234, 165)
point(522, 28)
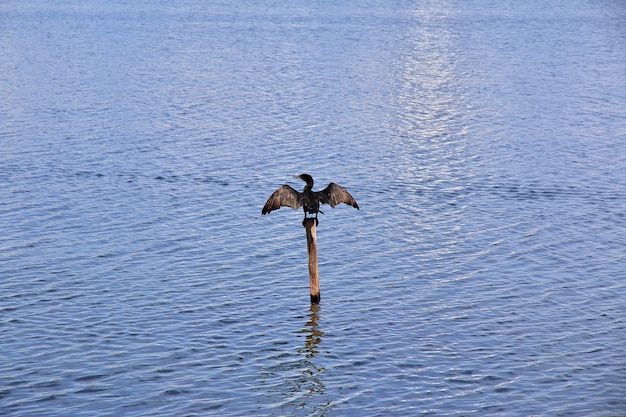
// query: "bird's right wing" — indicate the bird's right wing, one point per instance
point(283, 196)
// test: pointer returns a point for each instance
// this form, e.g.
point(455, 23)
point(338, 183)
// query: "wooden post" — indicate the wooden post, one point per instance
point(311, 245)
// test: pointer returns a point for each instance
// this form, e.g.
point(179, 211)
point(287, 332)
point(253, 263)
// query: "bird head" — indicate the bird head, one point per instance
point(306, 178)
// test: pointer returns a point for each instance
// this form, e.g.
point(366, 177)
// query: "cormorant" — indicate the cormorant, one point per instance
point(308, 199)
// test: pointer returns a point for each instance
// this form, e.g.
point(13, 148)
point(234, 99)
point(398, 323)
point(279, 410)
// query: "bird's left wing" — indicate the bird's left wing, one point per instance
point(335, 194)
point(283, 196)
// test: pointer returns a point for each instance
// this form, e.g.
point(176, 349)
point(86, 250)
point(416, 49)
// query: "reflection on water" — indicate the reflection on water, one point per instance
point(429, 124)
point(311, 373)
point(298, 378)
point(313, 334)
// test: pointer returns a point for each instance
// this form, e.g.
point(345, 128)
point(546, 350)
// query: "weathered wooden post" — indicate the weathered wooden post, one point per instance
point(311, 246)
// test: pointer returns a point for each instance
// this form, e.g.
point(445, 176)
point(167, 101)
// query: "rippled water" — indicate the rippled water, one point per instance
point(485, 143)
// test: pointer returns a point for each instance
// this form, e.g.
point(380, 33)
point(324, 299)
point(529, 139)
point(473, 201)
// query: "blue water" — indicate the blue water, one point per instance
point(484, 275)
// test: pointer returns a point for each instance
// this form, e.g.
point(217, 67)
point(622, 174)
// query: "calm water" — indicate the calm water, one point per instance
point(484, 275)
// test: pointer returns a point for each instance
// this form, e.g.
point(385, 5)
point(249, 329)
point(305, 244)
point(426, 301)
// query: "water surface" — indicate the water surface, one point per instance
point(484, 274)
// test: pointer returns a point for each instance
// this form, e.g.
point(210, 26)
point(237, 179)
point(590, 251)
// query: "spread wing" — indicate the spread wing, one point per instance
point(335, 194)
point(283, 196)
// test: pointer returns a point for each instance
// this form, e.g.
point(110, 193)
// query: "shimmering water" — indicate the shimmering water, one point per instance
point(484, 141)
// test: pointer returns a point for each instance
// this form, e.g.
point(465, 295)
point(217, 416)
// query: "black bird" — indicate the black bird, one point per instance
point(308, 199)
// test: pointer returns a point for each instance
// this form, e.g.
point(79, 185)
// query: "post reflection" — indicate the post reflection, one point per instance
point(313, 333)
point(298, 377)
point(311, 386)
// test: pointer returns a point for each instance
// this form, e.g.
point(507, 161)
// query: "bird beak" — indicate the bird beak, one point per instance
point(296, 176)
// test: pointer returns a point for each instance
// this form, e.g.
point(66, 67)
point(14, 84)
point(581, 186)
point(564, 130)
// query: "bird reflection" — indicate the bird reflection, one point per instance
point(313, 333)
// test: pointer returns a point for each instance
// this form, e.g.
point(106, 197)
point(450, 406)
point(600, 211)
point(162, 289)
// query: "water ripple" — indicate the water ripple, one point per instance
point(482, 275)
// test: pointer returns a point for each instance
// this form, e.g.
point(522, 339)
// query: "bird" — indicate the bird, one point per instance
point(308, 199)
